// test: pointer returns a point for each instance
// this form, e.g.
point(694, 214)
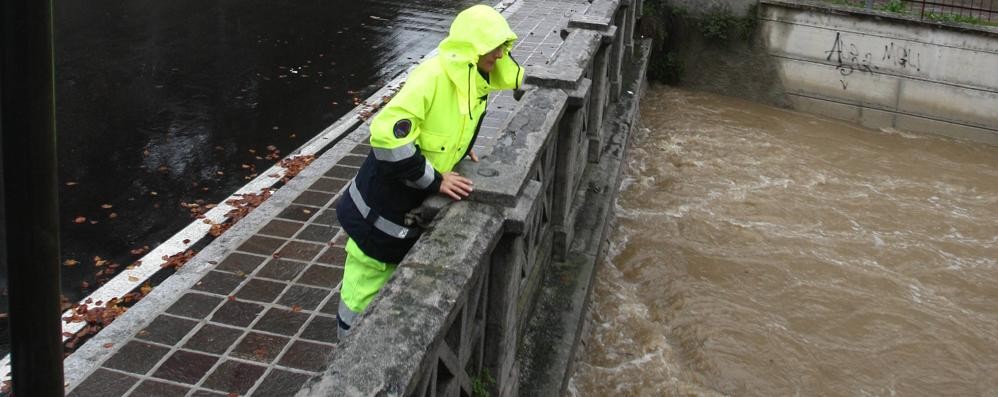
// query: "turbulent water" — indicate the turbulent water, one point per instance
point(765, 252)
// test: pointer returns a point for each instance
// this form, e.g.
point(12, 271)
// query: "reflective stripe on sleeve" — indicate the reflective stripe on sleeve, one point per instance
point(395, 155)
point(426, 180)
point(386, 226)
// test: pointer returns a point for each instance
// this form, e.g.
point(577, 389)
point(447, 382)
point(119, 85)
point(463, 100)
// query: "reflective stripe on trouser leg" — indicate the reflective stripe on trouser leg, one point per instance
point(363, 277)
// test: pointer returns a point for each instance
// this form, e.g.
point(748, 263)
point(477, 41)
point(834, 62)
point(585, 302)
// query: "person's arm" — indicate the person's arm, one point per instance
point(393, 141)
point(394, 132)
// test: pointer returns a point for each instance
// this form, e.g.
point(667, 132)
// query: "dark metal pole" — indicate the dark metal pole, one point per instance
point(31, 209)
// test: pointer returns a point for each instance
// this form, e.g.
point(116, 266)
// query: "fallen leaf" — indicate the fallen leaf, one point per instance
point(93, 222)
point(154, 193)
point(295, 308)
point(106, 206)
point(187, 241)
point(71, 262)
point(232, 298)
point(80, 219)
point(71, 183)
point(108, 345)
point(112, 215)
point(133, 278)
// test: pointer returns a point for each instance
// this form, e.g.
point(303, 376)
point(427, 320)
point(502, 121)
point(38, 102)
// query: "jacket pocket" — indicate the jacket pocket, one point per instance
point(436, 142)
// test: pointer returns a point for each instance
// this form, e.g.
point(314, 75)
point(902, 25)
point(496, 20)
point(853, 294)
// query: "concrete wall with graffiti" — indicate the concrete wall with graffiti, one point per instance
point(885, 71)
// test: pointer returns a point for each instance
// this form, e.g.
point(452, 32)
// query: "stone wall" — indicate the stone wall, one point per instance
point(883, 70)
point(458, 310)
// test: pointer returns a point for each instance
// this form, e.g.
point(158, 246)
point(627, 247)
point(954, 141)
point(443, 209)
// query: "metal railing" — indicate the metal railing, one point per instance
point(966, 11)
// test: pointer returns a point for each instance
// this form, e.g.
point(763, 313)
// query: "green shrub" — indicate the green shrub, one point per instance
point(894, 6)
point(480, 384)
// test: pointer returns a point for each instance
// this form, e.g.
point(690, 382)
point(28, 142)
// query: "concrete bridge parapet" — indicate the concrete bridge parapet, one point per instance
point(461, 314)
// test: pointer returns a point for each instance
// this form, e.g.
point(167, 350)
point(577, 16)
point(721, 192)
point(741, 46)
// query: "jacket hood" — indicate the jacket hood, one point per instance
point(475, 32)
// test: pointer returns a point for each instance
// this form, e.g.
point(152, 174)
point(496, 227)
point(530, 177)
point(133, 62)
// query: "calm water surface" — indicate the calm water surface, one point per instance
point(764, 252)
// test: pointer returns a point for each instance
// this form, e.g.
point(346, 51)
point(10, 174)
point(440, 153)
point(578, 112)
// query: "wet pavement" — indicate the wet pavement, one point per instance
point(254, 313)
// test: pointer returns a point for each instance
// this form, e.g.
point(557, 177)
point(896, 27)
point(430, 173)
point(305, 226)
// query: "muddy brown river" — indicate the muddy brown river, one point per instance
point(764, 252)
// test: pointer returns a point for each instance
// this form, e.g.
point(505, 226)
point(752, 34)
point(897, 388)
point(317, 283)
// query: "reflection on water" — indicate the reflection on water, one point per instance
point(765, 252)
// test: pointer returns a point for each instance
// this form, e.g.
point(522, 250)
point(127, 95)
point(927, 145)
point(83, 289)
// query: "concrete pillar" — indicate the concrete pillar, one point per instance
point(501, 335)
point(617, 56)
point(598, 100)
point(573, 143)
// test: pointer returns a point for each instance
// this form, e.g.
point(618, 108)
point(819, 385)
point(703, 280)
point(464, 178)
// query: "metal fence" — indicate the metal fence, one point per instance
point(967, 11)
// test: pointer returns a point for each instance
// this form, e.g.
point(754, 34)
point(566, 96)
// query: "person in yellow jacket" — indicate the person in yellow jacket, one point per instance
point(416, 140)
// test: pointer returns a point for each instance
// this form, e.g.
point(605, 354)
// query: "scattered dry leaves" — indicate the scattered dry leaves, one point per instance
point(178, 260)
point(295, 165)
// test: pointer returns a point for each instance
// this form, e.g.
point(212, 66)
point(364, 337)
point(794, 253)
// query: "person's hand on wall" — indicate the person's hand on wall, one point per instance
point(456, 186)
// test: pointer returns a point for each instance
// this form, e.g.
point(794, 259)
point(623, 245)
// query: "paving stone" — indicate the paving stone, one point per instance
point(322, 329)
point(281, 269)
point(136, 357)
point(322, 276)
point(238, 262)
point(318, 233)
point(301, 251)
point(352, 160)
point(341, 172)
point(363, 149)
point(307, 298)
point(307, 356)
point(333, 256)
point(281, 228)
point(213, 338)
point(237, 313)
point(299, 213)
point(194, 305)
point(234, 377)
point(281, 321)
point(167, 330)
point(260, 290)
point(259, 347)
point(316, 199)
point(185, 367)
point(263, 245)
point(280, 383)
point(151, 388)
point(327, 217)
point(104, 383)
point(332, 306)
point(218, 283)
point(328, 185)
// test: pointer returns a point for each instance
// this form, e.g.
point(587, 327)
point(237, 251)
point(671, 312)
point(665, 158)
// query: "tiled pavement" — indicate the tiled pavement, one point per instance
point(262, 321)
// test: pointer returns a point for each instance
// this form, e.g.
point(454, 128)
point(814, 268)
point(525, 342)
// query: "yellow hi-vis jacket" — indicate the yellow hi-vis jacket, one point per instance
point(424, 131)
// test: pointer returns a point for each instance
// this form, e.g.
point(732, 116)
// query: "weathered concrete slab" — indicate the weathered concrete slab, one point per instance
point(500, 176)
